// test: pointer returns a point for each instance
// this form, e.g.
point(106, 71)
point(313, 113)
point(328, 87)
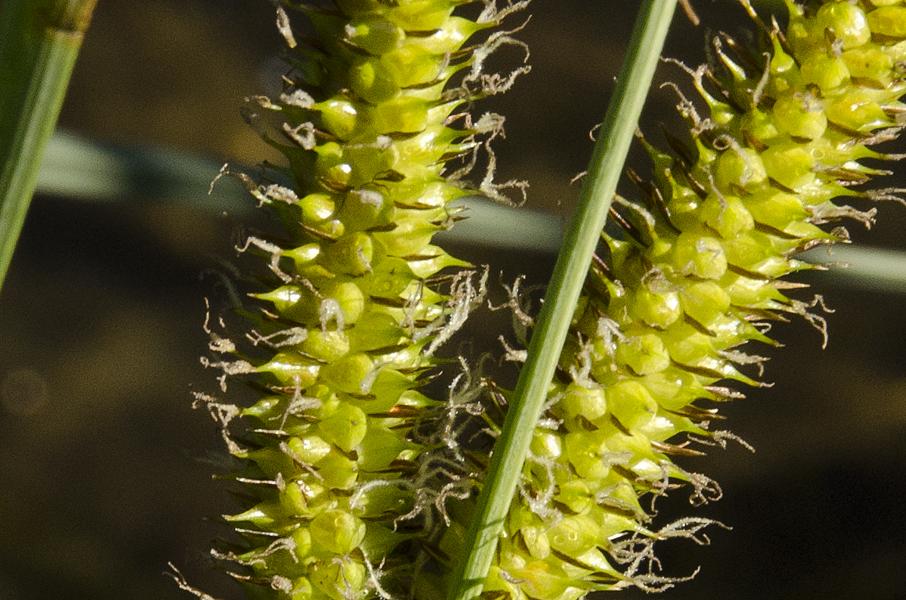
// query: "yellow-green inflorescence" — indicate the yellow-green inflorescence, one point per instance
point(698, 271)
point(334, 450)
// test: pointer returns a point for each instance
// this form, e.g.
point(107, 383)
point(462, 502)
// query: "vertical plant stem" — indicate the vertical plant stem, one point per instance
point(562, 294)
point(39, 43)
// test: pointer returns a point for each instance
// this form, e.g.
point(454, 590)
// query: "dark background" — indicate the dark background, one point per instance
point(104, 468)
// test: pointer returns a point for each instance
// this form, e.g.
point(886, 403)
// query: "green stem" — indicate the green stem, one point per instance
point(39, 43)
point(562, 295)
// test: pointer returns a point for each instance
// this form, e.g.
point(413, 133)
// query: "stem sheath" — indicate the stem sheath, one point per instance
point(39, 43)
point(562, 295)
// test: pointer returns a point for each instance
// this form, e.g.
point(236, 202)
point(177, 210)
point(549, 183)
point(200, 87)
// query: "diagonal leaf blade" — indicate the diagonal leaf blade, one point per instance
point(562, 294)
point(39, 43)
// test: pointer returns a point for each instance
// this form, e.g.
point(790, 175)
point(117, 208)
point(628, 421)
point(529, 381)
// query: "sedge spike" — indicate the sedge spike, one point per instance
point(336, 451)
point(698, 271)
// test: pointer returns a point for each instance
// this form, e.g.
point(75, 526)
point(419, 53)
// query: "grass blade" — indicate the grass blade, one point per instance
point(566, 283)
point(84, 170)
point(39, 43)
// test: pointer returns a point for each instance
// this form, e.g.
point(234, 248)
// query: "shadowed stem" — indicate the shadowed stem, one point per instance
point(39, 43)
point(562, 294)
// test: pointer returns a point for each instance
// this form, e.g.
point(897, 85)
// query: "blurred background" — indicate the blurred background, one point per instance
point(105, 471)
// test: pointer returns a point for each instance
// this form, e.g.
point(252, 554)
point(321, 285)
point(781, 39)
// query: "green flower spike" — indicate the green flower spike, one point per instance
point(696, 273)
point(337, 449)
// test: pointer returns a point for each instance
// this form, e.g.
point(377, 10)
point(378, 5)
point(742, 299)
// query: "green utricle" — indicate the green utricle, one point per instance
point(345, 336)
point(696, 272)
